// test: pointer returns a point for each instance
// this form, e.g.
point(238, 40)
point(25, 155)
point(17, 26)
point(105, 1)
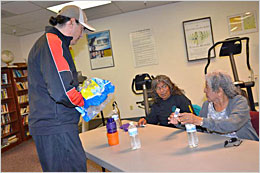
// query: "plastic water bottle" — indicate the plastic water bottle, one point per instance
point(112, 133)
point(176, 112)
point(115, 116)
point(192, 135)
point(133, 133)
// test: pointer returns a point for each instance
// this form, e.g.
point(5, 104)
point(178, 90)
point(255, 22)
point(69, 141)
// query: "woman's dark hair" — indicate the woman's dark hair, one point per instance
point(61, 20)
point(163, 78)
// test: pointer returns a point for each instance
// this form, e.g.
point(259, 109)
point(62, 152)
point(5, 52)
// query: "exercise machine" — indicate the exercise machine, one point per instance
point(141, 85)
point(231, 47)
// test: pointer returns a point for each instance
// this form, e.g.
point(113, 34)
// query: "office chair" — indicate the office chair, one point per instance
point(255, 120)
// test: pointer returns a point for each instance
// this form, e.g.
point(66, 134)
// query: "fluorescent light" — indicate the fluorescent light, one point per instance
point(81, 4)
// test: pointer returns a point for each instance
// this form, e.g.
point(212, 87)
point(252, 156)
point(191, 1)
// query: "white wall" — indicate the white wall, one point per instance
point(28, 41)
point(166, 24)
point(10, 42)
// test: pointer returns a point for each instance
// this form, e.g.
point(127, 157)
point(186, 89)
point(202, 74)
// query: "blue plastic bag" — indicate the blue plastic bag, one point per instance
point(96, 94)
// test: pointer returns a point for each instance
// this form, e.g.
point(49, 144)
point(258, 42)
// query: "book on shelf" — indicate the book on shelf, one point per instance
point(7, 141)
point(24, 111)
point(12, 139)
point(4, 108)
point(21, 85)
point(2, 119)
point(4, 142)
point(25, 120)
point(25, 72)
point(5, 118)
point(17, 73)
point(20, 73)
point(4, 93)
point(4, 78)
point(23, 99)
point(6, 129)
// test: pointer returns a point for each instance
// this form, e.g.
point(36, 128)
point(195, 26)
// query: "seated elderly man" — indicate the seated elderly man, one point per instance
point(225, 112)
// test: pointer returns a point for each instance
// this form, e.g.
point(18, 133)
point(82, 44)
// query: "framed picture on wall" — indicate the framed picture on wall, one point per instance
point(242, 23)
point(100, 50)
point(198, 38)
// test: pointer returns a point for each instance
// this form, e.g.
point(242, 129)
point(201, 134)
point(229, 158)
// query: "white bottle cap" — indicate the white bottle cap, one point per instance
point(115, 117)
point(176, 113)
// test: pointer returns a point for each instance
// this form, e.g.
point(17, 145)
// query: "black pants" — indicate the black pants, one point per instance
point(61, 152)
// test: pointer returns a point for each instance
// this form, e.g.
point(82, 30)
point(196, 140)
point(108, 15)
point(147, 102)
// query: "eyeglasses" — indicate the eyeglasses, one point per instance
point(162, 87)
point(232, 142)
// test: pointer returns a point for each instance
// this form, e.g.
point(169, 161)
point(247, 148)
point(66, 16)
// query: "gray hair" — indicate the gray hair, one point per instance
point(219, 79)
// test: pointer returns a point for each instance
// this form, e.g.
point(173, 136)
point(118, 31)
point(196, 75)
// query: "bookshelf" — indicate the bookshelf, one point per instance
point(10, 122)
point(22, 99)
point(15, 104)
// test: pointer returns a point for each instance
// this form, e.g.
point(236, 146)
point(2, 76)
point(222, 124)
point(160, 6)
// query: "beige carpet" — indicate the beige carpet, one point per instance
point(23, 158)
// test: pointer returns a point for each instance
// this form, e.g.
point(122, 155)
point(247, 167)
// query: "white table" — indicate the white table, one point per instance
point(166, 149)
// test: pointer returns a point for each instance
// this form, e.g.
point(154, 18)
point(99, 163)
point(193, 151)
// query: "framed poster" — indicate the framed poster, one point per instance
point(242, 23)
point(198, 38)
point(100, 50)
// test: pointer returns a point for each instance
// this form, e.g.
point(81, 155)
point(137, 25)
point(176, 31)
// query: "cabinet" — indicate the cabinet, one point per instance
point(14, 106)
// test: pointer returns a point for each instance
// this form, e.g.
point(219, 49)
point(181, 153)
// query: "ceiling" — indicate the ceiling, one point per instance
point(21, 18)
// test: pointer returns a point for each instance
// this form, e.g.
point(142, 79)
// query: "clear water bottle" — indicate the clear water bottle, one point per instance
point(192, 135)
point(133, 133)
point(115, 116)
point(176, 112)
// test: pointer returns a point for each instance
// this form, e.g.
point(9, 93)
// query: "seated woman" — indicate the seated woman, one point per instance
point(166, 95)
point(225, 112)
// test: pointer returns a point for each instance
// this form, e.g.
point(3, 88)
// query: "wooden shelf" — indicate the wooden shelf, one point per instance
point(7, 99)
point(20, 79)
point(23, 104)
point(9, 134)
point(25, 114)
point(11, 78)
point(22, 92)
point(6, 85)
point(8, 147)
point(9, 122)
point(9, 112)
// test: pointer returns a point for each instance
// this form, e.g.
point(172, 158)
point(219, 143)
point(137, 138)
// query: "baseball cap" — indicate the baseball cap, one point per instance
point(73, 11)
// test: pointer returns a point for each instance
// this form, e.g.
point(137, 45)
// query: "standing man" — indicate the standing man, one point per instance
point(53, 95)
